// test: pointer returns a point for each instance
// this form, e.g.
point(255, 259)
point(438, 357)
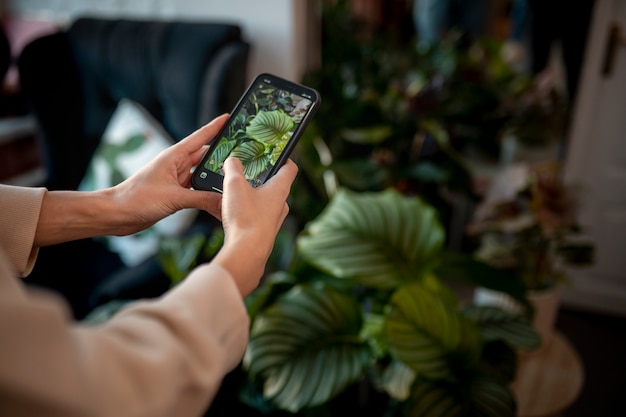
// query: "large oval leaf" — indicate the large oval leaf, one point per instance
point(307, 347)
point(425, 330)
point(378, 239)
point(270, 127)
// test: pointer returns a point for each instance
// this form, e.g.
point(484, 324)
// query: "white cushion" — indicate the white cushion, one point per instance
point(131, 140)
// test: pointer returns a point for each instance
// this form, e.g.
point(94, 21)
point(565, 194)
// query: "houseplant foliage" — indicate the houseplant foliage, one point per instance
point(527, 225)
point(401, 113)
point(362, 302)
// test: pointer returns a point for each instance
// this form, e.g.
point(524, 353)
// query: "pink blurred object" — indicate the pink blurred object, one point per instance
point(20, 32)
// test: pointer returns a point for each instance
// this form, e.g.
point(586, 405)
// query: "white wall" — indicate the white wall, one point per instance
point(279, 31)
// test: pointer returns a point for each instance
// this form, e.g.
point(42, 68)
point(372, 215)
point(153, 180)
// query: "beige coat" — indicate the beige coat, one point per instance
point(164, 357)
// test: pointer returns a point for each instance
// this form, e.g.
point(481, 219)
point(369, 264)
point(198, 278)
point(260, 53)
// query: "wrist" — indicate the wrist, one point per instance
point(245, 260)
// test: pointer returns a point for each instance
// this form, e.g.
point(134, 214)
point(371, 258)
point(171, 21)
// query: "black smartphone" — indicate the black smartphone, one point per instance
point(262, 131)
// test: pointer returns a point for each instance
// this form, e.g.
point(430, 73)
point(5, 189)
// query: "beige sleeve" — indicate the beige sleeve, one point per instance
point(19, 214)
point(161, 357)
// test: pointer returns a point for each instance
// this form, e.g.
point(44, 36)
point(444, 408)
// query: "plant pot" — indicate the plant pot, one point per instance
point(546, 304)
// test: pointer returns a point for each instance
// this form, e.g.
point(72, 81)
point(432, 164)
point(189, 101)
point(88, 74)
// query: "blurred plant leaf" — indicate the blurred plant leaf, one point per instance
point(433, 399)
point(306, 347)
point(490, 398)
point(274, 285)
point(377, 239)
point(466, 269)
point(424, 330)
point(367, 135)
point(177, 255)
point(104, 312)
point(359, 174)
point(480, 396)
point(397, 380)
point(283, 251)
point(214, 243)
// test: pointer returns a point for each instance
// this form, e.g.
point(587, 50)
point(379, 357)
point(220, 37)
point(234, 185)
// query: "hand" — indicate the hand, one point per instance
point(251, 218)
point(161, 187)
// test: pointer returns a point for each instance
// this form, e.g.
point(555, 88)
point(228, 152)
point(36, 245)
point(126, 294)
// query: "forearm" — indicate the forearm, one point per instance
point(72, 215)
point(164, 354)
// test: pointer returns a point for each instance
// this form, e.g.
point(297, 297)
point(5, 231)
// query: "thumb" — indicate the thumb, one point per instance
point(209, 201)
point(233, 165)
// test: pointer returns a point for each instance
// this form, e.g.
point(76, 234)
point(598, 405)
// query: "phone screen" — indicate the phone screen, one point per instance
point(262, 131)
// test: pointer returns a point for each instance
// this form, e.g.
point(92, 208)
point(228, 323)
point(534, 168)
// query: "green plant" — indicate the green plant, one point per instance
point(259, 133)
point(403, 114)
point(527, 225)
point(364, 300)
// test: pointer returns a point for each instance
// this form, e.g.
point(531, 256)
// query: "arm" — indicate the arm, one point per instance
point(160, 357)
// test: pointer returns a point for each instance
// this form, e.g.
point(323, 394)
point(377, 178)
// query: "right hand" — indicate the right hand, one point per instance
point(251, 218)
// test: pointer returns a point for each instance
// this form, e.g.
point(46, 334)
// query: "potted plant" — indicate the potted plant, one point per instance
point(363, 304)
point(527, 225)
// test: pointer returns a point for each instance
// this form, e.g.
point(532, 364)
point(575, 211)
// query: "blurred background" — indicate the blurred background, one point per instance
point(503, 115)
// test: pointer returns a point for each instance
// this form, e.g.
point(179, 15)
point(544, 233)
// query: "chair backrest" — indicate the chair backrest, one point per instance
point(184, 73)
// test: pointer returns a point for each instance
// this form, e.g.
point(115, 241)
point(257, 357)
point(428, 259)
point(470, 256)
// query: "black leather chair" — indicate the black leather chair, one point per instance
point(183, 73)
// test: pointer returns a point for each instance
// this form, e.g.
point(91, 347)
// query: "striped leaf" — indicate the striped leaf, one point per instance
point(424, 330)
point(479, 396)
point(223, 148)
point(498, 324)
point(271, 127)
point(306, 347)
point(490, 398)
point(252, 155)
point(430, 399)
point(377, 239)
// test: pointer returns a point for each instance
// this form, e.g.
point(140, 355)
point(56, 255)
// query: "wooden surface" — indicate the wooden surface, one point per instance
point(549, 379)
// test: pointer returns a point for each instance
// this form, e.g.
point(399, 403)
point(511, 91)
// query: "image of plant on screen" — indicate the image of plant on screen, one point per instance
point(259, 133)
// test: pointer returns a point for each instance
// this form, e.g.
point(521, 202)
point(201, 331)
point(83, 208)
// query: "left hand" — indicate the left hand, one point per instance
point(162, 187)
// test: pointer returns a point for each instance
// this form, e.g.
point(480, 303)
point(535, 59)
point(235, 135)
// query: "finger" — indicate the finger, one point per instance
point(233, 174)
point(233, 168)
point(286, 174)
point(203, 135)
point(206, 200)
point(196, 156)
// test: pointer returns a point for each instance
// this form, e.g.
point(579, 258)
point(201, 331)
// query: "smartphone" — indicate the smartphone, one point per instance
point(262, 131)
